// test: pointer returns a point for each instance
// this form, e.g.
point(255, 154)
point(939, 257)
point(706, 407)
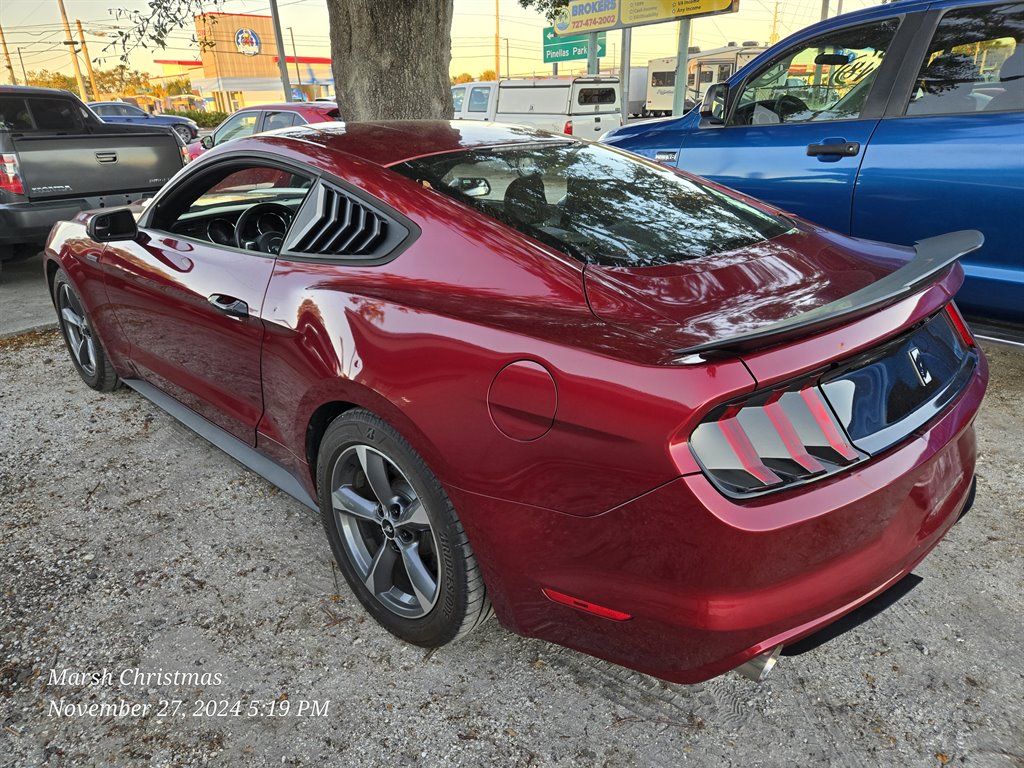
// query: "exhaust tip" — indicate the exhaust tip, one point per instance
point(759, 667)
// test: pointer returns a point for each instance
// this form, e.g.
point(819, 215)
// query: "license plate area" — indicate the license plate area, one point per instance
point(905, 384)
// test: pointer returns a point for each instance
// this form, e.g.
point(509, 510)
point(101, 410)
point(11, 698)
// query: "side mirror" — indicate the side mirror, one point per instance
point(207, 142)
point(112, 226)
point(712, 108)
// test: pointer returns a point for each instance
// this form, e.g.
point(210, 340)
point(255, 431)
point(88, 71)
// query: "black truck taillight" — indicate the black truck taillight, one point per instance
point(10, 178)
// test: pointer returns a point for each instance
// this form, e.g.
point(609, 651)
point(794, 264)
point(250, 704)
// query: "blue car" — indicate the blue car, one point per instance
point(894, 123)
point(119, 112)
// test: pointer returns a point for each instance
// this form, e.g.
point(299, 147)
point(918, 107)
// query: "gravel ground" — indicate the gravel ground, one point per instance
point(128, 543)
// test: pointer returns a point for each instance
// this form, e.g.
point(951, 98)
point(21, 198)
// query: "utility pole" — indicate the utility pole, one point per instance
point(295, 55)
point(508, 66)
point(593, 63)
point(627, 44)
point(282, 58)
point(824, 9)
point(71, 49)
point(497, 41)
point(774, 37)
point(7, 58)
point(88, 62)
point(683, 46)
point(24, 74)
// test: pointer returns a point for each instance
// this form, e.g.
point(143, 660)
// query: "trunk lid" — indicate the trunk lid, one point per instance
point(788, 288)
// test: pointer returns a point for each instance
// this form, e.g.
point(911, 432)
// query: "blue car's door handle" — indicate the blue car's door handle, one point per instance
point(840, 148)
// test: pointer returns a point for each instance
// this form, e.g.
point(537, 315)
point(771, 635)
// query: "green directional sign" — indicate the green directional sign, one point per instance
point(573, 48)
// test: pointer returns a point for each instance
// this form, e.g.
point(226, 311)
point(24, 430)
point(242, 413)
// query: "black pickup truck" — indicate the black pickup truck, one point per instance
point(57, 158)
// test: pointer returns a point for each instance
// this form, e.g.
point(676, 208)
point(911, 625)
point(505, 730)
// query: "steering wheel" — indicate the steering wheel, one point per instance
point(788, 104)
point(268, 239)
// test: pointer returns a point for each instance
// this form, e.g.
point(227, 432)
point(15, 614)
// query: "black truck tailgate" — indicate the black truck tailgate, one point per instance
point(59, 166)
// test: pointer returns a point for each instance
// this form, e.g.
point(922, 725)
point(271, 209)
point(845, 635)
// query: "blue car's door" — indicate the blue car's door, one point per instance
point(950, 152)
point(799, 123)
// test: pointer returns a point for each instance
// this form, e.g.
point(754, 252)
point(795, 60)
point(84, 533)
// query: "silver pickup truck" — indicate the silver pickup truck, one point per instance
point(57, 158)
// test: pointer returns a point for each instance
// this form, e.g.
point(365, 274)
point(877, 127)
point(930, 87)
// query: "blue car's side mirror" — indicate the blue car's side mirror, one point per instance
point(712, 108)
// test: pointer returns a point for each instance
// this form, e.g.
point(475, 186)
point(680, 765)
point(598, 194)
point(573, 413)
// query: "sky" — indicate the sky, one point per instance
point(34, 26)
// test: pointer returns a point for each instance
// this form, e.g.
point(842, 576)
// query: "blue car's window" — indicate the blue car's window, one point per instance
point(597, 204)
point(825, 78)
point(975, 63)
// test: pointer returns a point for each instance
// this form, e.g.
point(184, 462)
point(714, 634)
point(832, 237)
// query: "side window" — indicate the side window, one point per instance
point(975, 63)
point(55, 114)
point(589, 96)
point(129, 111)
point(102, 111)
point(458, 96)
point(275, 120)
point(250, 206)
point(825, 78)
point(242, 124)
point(14, 114)
point(663, 79)
point(478, 99)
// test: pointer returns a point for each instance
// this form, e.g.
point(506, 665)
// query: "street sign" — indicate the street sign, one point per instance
point(557, 49)
point(591, 16)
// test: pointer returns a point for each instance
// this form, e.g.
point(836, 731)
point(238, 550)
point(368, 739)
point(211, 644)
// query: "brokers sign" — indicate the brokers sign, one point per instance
point(584, 16)
point(558, 49)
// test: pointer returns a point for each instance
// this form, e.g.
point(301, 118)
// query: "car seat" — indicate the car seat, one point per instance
point(1011, 76)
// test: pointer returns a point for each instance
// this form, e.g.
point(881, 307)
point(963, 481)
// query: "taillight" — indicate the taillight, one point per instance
point(186, 158)
point(772, 440)
point(567, 128)
point(959, 325)
point(10, 178)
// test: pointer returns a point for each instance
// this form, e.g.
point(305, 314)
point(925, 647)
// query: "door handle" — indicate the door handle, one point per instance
point(230, 306)
point(834, 147)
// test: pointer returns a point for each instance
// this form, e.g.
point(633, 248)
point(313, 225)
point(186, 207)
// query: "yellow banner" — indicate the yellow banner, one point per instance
point(584, 16)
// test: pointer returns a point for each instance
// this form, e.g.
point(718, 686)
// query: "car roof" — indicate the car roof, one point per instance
point(295, 105)
point(396, 141)
point(33, 90)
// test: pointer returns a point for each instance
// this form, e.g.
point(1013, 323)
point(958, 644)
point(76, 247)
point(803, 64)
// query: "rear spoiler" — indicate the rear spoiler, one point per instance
point(931, 257)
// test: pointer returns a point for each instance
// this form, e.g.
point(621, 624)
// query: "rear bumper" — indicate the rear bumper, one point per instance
point(710, 582)
point(30, 222)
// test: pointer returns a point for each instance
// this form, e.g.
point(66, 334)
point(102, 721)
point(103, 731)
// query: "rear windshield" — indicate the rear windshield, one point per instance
point(41, 113)
point(596, 96)
point(596, 204)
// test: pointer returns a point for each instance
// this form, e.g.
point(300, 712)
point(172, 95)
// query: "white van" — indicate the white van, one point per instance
point(583, 106)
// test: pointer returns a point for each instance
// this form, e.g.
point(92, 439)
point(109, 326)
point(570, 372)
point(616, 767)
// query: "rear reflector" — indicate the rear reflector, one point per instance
point(10, 178)
point(583, 605)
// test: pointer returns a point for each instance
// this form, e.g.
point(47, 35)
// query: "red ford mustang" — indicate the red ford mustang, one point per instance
point(633, 412)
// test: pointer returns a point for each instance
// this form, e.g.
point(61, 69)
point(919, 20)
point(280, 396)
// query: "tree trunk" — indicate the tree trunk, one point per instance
point(391, 58)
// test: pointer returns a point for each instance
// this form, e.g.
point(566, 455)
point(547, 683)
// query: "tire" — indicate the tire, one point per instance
point(83, 344)
point(407, 560)
point(184, 132)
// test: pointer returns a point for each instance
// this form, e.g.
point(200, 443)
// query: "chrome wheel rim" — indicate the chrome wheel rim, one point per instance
point(76, 330)
point(385, 532)
point(185, 133)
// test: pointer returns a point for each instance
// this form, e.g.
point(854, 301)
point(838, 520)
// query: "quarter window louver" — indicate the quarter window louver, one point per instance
point(340, 225)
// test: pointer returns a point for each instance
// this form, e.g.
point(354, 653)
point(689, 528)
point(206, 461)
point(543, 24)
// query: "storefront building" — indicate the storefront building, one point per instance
point(238, 65)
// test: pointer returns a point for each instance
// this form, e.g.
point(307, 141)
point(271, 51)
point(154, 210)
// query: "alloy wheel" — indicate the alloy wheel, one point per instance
point(77, 330)
point(385, 531)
